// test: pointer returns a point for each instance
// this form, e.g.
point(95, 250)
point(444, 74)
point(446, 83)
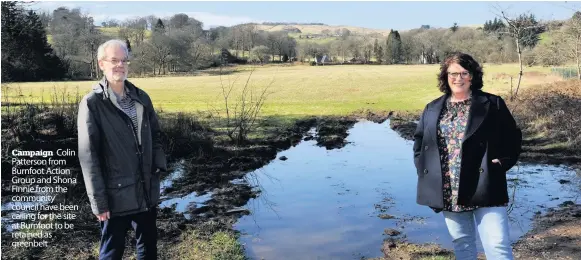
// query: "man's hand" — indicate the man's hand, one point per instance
point(103, 216)
point(496, 161)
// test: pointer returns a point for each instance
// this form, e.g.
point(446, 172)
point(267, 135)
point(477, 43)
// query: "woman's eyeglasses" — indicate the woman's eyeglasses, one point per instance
point(463, 74)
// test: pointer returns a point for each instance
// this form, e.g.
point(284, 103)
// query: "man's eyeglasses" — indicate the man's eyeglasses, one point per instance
point(463, 74)
point(116, 61)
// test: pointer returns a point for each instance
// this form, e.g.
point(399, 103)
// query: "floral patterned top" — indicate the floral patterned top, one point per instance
point(451, 128)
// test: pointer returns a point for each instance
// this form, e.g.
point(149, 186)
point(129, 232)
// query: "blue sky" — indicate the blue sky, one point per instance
point(378, 15)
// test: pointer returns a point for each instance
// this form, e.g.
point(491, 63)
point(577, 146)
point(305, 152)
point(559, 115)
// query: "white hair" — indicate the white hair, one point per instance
point(112, 43)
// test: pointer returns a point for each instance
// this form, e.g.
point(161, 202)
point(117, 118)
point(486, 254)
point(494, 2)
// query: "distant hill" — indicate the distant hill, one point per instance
point(314, 28)
point(318, 28)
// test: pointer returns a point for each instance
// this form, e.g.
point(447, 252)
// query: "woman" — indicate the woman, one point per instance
point(465, 142)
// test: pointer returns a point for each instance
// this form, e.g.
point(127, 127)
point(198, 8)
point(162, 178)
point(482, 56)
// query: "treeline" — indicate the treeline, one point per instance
point(179, 44)
point(427, 45)
point(495, 42)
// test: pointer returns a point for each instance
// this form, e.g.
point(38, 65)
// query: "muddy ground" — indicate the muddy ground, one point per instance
point(556, 235)
point(215, 165)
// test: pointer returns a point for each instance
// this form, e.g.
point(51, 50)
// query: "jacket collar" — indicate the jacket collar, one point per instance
point(103, 87)
point(478, 111)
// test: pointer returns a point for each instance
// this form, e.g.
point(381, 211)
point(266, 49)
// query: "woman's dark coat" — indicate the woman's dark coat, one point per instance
point(491, 133)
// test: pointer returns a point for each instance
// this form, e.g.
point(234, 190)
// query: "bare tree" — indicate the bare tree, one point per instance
point(276, 43)
point(200, 52)
point(91, 38)
point(159, 51)
point(518, 28)
point(75, 40)
point(366, 47)
point(259, 53)
point(237, 39)
point(249, 38)
point(353, 47)
point(134, 30)
point(242, 113)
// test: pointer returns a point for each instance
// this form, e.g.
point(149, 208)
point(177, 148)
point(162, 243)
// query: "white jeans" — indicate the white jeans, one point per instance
point(492, 224)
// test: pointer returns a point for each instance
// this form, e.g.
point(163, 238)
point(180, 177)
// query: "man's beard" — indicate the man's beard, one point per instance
point(118, 76)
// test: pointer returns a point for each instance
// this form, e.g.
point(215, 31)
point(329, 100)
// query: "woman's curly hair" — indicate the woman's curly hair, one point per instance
point(468, 63)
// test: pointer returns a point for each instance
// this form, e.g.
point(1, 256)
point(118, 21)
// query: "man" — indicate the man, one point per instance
point(121, 156)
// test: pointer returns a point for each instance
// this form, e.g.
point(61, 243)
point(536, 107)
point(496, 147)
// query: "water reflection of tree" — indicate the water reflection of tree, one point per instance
point(513, 193)
point(254, 180)
point(519, 206)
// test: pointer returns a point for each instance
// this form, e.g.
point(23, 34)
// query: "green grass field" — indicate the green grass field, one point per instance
point(299, 90)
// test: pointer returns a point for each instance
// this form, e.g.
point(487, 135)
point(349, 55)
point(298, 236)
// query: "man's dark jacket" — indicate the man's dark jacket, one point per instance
point(120, 168)
point(491, 133)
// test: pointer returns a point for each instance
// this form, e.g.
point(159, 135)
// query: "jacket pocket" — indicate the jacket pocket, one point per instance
point(122, 194)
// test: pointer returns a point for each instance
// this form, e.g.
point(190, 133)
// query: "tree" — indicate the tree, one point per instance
point(23, 30)
point(339, 48)
point(454, 27)
point(134, 30)
point(128, 44)
point(110, 23)
point(345, 33)
point(90, 38)
point(377, 51)
point(159, 51)
point(159, 26)
point(45, 18)
point(179, 21)
point(75, 39)
point(366, 47)
point(241, 113)
point(520, 30)
point(200, 53)
point(259, 53)
point(249, 37)
point(393, 48)
point(531, 35)
point(354, 47)
point(493, 25)
point(410, 49)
